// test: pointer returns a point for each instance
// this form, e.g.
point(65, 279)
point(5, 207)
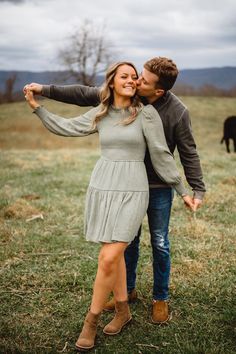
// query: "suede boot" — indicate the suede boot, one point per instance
point(87, 336)
point(110, 305)
point(122, 317)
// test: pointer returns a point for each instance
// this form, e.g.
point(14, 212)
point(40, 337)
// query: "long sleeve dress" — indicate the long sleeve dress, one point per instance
point(118, 192)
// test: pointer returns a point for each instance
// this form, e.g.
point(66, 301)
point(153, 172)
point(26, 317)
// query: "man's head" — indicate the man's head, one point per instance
point(159, 75)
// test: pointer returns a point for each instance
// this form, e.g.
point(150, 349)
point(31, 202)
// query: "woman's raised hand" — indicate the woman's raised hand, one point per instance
point(29, 96)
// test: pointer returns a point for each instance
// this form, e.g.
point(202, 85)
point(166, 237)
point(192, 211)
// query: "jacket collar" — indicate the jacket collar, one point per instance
point(159, 101)
point(162, 100)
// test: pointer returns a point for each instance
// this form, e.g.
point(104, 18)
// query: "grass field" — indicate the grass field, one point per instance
point(47, 269)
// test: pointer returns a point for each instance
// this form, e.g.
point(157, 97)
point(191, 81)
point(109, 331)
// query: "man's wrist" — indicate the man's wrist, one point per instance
point(198, 195)
point(45, 90)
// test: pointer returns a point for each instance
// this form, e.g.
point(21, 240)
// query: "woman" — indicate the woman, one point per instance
point(117, 196)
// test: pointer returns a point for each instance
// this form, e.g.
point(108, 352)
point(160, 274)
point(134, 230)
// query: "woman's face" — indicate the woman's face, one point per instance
point(124, 83)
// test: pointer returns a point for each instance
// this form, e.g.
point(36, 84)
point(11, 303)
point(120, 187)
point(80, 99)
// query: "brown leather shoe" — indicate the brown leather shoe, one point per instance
point(122, 317)
point(160, 311)
point(87, 336)
point(110, 305)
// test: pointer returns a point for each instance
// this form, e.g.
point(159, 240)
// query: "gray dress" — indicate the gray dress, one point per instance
point(118, 192)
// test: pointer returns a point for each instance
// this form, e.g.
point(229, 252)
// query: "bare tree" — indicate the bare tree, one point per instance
point(9, 85)
point(88, 53)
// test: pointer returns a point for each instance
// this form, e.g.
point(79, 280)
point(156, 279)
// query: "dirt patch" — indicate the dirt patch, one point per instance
point(21, 209)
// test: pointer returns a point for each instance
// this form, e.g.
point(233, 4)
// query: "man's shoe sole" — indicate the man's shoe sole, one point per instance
point(163, 322)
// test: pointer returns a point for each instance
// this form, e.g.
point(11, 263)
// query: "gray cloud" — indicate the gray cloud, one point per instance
point(195, 33)
point(13, 1)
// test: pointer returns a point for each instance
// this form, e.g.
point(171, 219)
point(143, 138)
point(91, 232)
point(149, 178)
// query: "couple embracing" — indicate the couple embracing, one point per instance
point(140, 122)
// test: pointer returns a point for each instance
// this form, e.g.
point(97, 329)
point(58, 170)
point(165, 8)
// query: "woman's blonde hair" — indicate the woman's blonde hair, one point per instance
point(107, 97)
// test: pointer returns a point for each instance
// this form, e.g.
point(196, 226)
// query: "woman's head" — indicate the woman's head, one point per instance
point(120, 81)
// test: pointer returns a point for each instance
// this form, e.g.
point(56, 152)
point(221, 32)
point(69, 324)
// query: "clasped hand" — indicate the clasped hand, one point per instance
point(29, 91)
point(192, 203)
point(29, 96)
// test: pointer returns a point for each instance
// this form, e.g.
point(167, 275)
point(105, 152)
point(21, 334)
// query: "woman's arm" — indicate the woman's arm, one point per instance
point(162, 160)
point(189, 156)
point(78, 126)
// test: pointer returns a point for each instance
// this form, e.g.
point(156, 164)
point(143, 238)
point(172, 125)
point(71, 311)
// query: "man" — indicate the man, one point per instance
point(158, 77)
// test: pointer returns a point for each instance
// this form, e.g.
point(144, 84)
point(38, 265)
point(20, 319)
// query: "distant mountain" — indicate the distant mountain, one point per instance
point(44, 77)
point(222, 78)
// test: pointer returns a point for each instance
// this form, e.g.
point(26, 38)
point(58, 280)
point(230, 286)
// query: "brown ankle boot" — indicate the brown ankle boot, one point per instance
point(110, 305)
point(160, 311)
point(87, 336)
point(122, 317)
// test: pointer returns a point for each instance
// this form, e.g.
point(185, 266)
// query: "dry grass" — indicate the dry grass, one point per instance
point(20, 129)
point(48, 270)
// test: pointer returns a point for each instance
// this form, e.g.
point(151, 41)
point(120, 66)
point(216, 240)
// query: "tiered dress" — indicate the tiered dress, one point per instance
point(118, 192)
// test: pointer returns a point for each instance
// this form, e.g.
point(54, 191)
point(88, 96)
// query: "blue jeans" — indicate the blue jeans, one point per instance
point(159, 209)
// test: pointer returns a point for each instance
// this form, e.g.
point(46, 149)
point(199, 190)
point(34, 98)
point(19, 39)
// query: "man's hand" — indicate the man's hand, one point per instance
point(34, 87)
point(196, 203)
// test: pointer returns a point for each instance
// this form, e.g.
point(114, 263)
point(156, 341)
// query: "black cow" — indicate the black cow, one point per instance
point(229, 132)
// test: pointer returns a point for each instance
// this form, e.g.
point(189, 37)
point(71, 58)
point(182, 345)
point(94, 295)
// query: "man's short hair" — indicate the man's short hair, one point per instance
point(165, 69)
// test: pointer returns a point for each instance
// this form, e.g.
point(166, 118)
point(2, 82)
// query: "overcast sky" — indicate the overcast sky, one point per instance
point(194, 33)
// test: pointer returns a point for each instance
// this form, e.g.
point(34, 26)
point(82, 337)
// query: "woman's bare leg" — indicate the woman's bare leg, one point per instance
point(109, 264)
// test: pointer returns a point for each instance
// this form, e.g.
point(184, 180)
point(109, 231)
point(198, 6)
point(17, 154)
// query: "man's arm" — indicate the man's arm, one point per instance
point(189, 157)
point(75, 94)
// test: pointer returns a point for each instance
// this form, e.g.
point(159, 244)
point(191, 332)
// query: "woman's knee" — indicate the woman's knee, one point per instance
point(110, 257)
point(106, 263)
